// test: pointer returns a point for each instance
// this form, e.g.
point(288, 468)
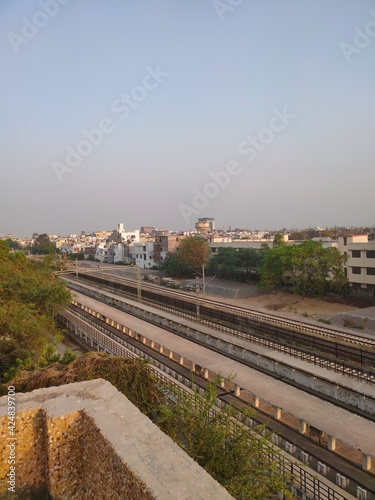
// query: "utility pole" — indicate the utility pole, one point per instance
point(139, 291)
point(197, 294)
point(203, 285)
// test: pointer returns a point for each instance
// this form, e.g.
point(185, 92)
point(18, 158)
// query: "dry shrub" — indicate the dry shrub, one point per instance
point(132, 377)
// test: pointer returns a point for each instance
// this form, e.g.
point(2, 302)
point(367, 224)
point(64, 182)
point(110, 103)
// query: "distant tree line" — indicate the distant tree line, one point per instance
point(308, 268)
point(41, 245)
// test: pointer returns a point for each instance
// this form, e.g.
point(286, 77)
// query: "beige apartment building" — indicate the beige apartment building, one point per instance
point(361, 259)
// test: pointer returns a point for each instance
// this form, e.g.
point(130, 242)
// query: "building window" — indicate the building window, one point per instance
point(356, 253)
point(370, 254)
point(356, 270)
point(370, 271)
point(345, 241)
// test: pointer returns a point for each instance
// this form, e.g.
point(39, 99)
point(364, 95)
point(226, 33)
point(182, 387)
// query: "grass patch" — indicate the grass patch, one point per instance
point(349, 323)
point(326, 321)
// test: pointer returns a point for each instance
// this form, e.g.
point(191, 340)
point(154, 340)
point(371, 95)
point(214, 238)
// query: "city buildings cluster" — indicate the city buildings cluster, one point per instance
point(148, 246)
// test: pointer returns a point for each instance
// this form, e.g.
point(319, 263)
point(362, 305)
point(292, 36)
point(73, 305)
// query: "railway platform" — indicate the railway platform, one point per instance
point(348, 434)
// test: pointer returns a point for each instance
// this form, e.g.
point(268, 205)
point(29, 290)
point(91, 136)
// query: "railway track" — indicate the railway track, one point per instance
point(315, 452)
point(336, 345)
point(363, 338)
point(352, 370)
point(108, 298)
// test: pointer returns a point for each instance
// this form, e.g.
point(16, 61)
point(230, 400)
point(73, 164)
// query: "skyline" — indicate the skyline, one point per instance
point(337, 230)
point(158, 114)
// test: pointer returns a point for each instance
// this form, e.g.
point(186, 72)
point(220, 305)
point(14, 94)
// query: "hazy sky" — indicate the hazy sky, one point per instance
point(279, 93)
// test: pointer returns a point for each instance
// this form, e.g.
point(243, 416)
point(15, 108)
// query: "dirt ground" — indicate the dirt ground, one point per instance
point(294, 305)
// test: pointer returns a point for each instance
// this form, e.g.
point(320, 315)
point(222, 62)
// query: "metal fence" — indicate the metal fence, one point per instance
point(309, 485)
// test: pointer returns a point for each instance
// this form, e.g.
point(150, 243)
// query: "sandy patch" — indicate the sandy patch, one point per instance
point(294, 305)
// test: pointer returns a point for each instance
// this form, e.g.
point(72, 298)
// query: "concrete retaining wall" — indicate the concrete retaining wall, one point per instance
point(319, 384)
point(86, 440)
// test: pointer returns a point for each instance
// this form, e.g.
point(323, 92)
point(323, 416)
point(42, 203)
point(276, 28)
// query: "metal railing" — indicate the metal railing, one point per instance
point(303, 480)
point(266, 317)
point(300, 353)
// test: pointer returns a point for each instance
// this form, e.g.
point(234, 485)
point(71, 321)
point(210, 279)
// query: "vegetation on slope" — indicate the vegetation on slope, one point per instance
point(30, 298)
point(129, 376)
point(230, 454)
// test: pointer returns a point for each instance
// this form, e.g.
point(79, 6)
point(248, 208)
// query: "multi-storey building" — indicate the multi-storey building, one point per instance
point(119, 235)
point(142, 255)
point(118, 252)
point(360, 266)
point(166, 244)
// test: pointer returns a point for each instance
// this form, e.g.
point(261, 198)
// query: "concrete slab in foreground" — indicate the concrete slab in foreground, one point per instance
point(86, 440)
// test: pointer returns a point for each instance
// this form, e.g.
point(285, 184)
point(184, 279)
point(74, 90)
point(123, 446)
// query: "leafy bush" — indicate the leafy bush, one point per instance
point(231, 453)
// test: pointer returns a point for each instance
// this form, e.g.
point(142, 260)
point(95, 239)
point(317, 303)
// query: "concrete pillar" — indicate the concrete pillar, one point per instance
point(192, 367)
point(161, 349)
point(152, 344)
point(277, 413)
point(222, 382)
point(331, 443)
point(256, 401)
point(205, 373)
point(366, 462)
point(144, 340)
point(181, 360)
point(302, 427)
point(237, 390)
point(170, 355)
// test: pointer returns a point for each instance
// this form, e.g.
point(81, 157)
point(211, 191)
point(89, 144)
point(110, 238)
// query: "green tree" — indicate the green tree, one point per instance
point(233, 454)
point(194, 251)
point(30, 297)
point(42, 245)
point(298, 235)
point(240, 264)
point(224, 263)
point(274, 268)
point(12, 244)
point(316, 270)
point(278, 240)
point(174, 266)
point(249, 260)
point(309, 267)
point(327, 233)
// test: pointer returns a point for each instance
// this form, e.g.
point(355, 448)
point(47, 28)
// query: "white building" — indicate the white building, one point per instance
point(142, 254)
point(101, 253)
point(71, 249)
point(119, 235)
point(118, 252)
